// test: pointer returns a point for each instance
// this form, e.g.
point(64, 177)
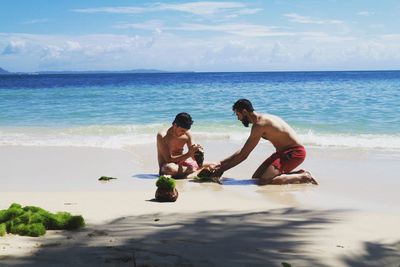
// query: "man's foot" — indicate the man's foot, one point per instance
point(299, 171)
point(310, 179)
point(298, 177)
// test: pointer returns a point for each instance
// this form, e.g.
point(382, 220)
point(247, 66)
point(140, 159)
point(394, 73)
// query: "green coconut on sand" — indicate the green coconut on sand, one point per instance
point(166, 191)
point(34, 221)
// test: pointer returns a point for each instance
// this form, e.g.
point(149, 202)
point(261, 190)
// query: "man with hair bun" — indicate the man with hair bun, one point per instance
point(278, 168)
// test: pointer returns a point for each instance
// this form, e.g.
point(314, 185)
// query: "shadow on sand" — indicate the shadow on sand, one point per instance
point(231, 181)
point(377, 254)
point(225, 181)
point(148, 176)
point(200, 239)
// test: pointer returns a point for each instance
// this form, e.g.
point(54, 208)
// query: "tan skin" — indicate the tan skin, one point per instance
point(170, 146)
point(280, 134)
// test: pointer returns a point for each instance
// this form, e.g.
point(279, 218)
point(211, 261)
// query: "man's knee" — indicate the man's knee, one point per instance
point(271, 172)
point(169, 169)
point(268, 176)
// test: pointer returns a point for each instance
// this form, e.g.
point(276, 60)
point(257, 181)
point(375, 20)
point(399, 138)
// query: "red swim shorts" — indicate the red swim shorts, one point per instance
point(287, 160)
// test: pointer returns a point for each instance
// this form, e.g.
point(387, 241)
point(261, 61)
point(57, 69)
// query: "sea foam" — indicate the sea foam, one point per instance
point(123, 136)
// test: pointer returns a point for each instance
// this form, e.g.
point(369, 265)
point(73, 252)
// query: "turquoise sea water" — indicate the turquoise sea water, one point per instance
point(335, 109)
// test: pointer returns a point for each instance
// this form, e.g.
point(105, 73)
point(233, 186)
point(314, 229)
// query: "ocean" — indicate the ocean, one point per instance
point(347, 109)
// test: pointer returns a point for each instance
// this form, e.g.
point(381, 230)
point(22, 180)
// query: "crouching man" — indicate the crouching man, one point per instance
point(170, 149)
point(279, 168)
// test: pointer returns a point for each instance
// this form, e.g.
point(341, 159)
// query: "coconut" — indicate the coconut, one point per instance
point(166, 191)
point(199, 157)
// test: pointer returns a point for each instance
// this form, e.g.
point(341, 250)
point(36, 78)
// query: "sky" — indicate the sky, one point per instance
point(255, 35)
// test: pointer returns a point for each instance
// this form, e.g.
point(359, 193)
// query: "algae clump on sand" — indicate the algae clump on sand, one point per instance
point(34, 221)
point(106, 178)
point(166, 182)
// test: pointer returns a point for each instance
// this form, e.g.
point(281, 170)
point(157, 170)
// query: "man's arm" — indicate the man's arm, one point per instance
point(189, 142)
point(243, 153)
point(163, 149)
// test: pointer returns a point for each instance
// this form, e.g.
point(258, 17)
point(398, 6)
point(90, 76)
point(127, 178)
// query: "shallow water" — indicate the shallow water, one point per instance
point(328, 109)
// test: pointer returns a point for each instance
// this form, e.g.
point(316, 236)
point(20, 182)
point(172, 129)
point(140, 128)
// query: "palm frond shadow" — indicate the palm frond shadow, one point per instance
point(200, 239)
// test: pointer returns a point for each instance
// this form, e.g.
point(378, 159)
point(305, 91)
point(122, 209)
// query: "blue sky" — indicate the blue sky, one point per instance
point(269, 35)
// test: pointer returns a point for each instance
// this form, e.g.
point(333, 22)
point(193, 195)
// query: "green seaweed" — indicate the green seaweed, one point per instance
point(166, 182)
point(64, 220)
point(34, 229)
point(15, 205)
point(3, 229)
point(12, 212)
point(106, 178)
point(34, 221)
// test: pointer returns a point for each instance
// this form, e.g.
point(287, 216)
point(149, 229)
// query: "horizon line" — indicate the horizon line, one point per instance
point(155, 71)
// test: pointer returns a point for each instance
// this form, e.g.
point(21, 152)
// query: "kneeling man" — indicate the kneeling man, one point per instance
point(278, 168)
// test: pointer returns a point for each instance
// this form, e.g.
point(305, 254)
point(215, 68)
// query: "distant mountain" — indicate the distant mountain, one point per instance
point(3, 71)
point(103, 71)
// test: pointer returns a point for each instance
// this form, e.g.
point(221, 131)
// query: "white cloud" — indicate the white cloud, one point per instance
point(52, 52)
point(197, 8)
point(365, 13)
point(395, 37)
point(377, 26)
point(293, 17)
point(249, 30)
point(202, 8)
point(146, 25)
point(165, 50)
point(73, 46)
point(14, 47)
point(35, 21)
point(249, 11)
point(112, 10)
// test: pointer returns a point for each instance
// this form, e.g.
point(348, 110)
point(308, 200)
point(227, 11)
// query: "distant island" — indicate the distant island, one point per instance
point(3, 71)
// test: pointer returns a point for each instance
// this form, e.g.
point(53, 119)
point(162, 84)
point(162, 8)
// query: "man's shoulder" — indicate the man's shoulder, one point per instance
point(268, 120)
point(162, 133)
point(263, 124)
point(188, 134)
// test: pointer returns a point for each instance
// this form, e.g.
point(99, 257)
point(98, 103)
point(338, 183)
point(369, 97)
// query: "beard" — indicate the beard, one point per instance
point(245, 121)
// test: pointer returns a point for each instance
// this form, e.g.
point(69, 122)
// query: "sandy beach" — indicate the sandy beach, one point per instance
point(350, 219)
point(88, 89)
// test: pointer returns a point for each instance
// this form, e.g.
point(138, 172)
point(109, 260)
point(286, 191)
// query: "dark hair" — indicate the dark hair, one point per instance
point(183, 120)
point(243, 104)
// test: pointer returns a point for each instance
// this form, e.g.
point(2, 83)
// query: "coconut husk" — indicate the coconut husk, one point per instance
point(166, 195)
point(199, 157)
point(210, 176)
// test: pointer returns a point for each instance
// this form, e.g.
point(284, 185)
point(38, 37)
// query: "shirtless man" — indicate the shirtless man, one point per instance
point(170, 143)
point(290, 153)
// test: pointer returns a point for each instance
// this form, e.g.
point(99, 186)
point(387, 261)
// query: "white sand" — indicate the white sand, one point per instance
point(351, 219)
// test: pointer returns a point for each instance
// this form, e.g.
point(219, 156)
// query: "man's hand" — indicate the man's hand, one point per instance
point(214, 166)
point(215, 169)
point(193, 148)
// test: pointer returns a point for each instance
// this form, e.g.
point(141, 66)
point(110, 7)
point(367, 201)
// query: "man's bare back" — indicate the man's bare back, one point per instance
point(275, 130)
